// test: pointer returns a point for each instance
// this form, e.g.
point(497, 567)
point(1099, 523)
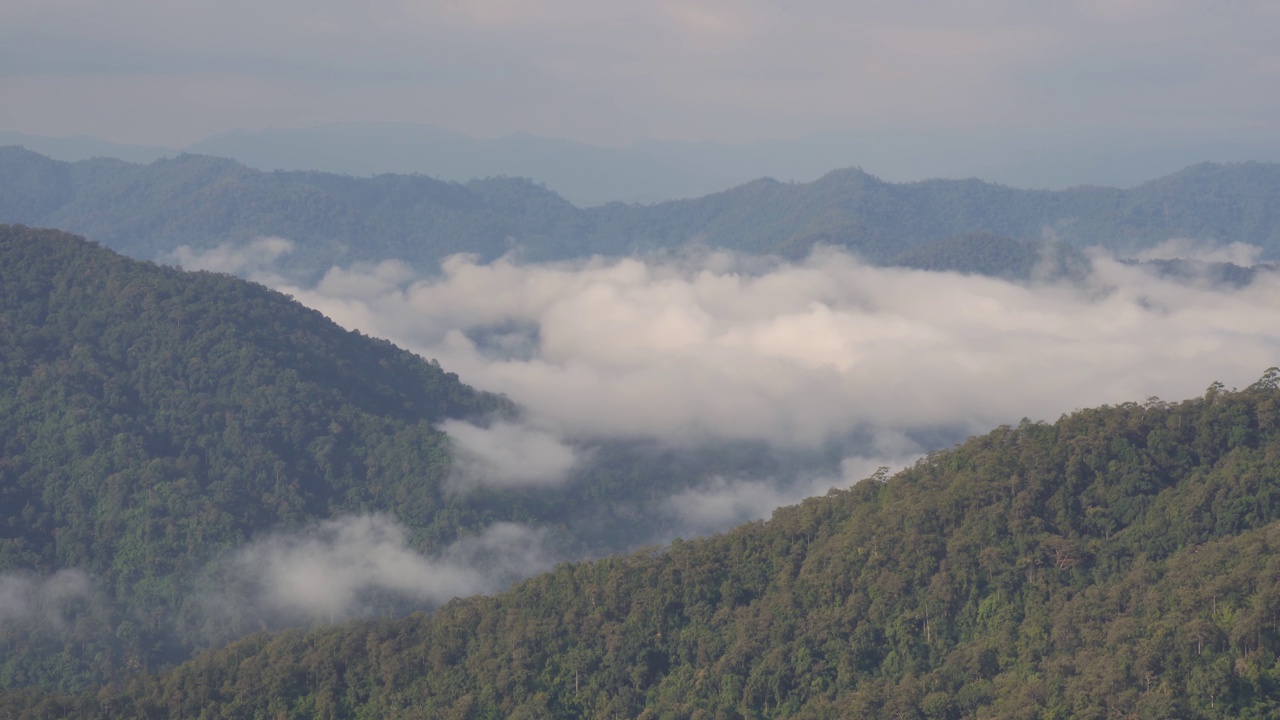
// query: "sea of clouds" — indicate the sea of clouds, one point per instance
point(882, 364)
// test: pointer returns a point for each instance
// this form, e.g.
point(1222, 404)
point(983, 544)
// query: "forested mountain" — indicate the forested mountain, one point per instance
point(1030, 260)
point(147, 211)
point(155, 422)
point(584, 174)
point(1121, 562)
point(150, 419)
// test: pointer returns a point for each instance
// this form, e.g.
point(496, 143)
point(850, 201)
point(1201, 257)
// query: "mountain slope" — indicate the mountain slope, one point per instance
point(1120, 562)
point(151, 419)
point(148, 211)
point(160, 427)
point(654, 170)
point(998, 256)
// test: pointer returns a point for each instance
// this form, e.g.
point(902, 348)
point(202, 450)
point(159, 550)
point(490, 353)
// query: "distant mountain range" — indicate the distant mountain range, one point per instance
point(147, 211)
point(657, 170)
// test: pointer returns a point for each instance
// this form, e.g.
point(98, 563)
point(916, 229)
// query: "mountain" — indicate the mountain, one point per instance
point(148, 211)
point(998, 256)
point(1048, 261)
point(171, 441)
point(84, 147)
point(1120, 562)
point(584, 174)
point(151, 419)
point(654, 170)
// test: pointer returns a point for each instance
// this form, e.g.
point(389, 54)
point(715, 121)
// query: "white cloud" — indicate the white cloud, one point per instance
point(31, 600)
point(330, 570)
point(506, 455)
point(248, 259)
point(799, 354)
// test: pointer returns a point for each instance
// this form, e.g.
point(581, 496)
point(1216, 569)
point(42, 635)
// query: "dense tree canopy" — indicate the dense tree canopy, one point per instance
point(150, 419)
point(1120, 562)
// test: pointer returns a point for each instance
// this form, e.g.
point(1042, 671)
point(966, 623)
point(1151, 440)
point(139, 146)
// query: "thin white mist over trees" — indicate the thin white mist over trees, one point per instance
point(506, 455)
point(44, 603)
point(353, 566)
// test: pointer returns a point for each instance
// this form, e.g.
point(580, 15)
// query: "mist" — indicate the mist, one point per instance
point(45, 603)
point(356, 566)
point(506, 455)
point(715, 347)
point(722, 502)
point(827, 357)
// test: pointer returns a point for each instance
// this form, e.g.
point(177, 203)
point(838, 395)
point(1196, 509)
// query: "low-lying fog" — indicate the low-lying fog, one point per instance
point(834, 365)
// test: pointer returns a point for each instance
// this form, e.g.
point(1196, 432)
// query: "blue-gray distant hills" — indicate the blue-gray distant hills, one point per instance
point(146, 211)
point(653, 170)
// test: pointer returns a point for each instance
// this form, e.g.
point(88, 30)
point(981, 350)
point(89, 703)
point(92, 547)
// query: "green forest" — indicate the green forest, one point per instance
point(1120, 562)
point(148, 211)
point(152, 421)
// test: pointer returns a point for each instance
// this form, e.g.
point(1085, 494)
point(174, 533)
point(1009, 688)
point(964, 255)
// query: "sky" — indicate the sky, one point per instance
point(173, 73)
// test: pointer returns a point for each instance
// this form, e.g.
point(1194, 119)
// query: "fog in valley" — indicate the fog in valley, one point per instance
point(694, 263)
point(837, 367)
point(706, 389)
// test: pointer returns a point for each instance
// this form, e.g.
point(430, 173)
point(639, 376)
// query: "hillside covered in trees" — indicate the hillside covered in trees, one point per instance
point(157, 424)
point(151, 418)
point(147, 211)
point(1120, 562)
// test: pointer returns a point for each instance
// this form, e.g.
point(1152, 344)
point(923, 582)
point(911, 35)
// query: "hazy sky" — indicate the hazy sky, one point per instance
point(151, 72)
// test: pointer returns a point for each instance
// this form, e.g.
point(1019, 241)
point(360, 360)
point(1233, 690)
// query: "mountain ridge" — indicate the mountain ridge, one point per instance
point(336, 219)
point(1118, 560)
point(654, 170)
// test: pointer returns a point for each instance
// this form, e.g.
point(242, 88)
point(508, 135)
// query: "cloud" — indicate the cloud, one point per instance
point(49, 602)
point(247, 260)
point(503, 553)
point(720, 502)
point(721, 347)
point(507, 455)
point(343, 567)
